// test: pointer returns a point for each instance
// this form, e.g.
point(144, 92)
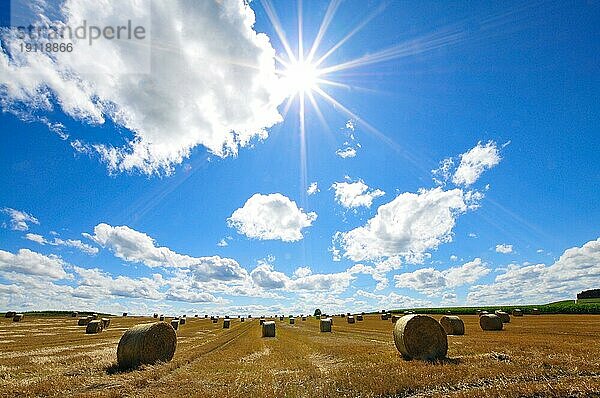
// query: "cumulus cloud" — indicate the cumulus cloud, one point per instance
point(576, 269)
point(313, 188)
point(19, 219)
point(475, 161)
point(345, 153)
point(212, 80)
point(265, 276)
point(504, 248)
point(393, 300)
point(28, 262)
point(271, 217)
point(92, 280)
point(355, 194)
point(409, 226)
point(432, 282)
point(134, 246)
point(75, 243)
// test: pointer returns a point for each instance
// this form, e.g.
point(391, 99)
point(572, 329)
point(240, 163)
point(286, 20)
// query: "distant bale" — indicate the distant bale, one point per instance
point(155, 315)
point(490, 322)
point(407, 312)
point(124, 314)
point(10, 314)
point(292, 321)
point(17, 317)
point(146, 344)
point(481, 313)
point(83, 321)
point(517, 312)
point(395, 318)
point(215, 320)
point(175, 323)
point(105, 322)
point(281, 318)
point(384, 317)
point(303, 318)
point(504, 316)
point(226, 323)
point(535, 311)
point(94, 316)
point(317, 316)
point(268, 328)
point(182, 321)
point(452, 325)
point(74, 314)
point(262, 321)
point(242, 319)
point(93, 327)
point(343, 315)
point(226, 316)
point(350, 319)
point(477, 312)
point(325, 325)
point(359, 317)
point(161, 318)
point(420, 337)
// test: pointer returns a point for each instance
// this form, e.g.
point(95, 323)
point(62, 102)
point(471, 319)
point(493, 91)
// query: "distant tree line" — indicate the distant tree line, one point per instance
point(589, 294)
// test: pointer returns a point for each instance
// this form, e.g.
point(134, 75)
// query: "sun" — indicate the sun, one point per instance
point(301, 77)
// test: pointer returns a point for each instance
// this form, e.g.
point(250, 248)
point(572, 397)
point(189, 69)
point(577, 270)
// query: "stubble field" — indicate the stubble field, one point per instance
point(534, 356)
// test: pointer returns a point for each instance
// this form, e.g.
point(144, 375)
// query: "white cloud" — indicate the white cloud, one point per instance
point(578, 268)
point(313, 188)
point(472, 235)
point(474, 162)
point(271, 217)
point(443, 172)
point(345, 153)
point(393, 300)
point(28, 262)
point(302, 272)
point(377, 273)
point(223, 243)
point(408, 226)
point(19, 219)
point(355, 194)
point(432, 282)
point(75, 243)
point(265, 276)
point(212, 81)
point(504, 248)
point(453, 258)
point(131, 245)
point(95, 281)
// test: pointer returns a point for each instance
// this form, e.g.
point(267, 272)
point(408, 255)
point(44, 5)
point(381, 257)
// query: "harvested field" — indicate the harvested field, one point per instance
point(534, 356)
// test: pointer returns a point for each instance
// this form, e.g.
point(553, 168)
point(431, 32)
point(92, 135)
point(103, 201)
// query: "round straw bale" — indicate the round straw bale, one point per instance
point(215, 320)
point(268, 328)
point(105, 322)
point(343, 315)
point(384, 317)
point(74, 314)
point(504, 317)
point(94, 316)
point(155, 315)
point(226, 323)
point(182, 321)
point(359, 317)
point(262, 321)
point(490, 322)
point(292, 321)
point(10, 314)
point(481, 313)
point(535, 311)
point(83, 321)
point(325, 325)
point(93, 327)
point(17, 317)
point(395, 318)
point(242, 319)
point(517, 312)
point(303, 318)
point(146, 344)
point(175, 323)
point(350, 319)
point(452, 325)
point(161, 318)
point(420, 337)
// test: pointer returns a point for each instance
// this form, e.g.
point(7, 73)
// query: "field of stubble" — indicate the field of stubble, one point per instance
point(535, 356)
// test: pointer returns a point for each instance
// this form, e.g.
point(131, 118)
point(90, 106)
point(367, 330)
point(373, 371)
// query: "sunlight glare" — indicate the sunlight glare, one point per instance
point(301, 77)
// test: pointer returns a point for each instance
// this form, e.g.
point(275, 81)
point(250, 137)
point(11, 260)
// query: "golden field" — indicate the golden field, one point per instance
point(534, 356)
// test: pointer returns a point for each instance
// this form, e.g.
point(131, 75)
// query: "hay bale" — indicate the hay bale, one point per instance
point(303, 318)
point(281, 318)
point(215, 320)
point(420, 337)
point(175, 324)
point(83, 321)
point(242, 319)
point(17, 317)
point(490, 322)
point(325, 325)
point(146, 344)
point(161, 318)
point(481, 313)
point(317, 316)
point(74, 314)
point(124, 314)
point(262, 321)
point(10, 314)
point(94, 316)
point(268, 328)
point(343, 315)
point(359, 317)
point(105, 322)
point(395, 318)
point(155, 315)
point(505, 317)
point(517, 312)
point(292, 321)
point(452, 325)
point(182, 321)
point(535, 311)
point(93, 327)
point(384, 317)
point(226, 323)
point(350, 319)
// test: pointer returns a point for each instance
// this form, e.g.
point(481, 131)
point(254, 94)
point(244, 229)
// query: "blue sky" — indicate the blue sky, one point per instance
point(181, 181)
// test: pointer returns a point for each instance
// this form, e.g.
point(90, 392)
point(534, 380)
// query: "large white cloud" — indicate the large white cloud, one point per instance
point(408, 226)
point(432, 281)
point(134, 246)
point(578, 268)
point(202, 76)
point(19, 220)
point(75, 243)
point(28, 262)
point(265, 276)
point(474, 162)
point(355, 194)
point(271, 217)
